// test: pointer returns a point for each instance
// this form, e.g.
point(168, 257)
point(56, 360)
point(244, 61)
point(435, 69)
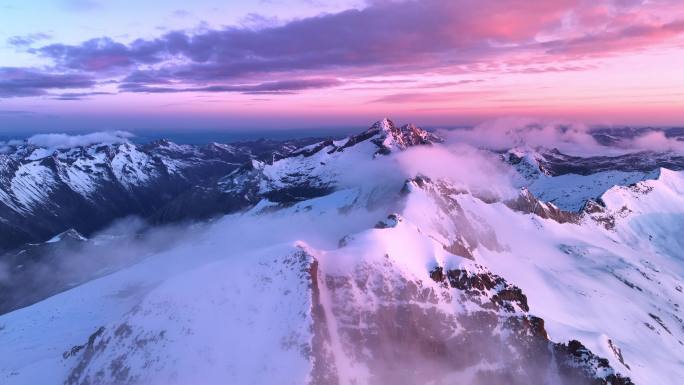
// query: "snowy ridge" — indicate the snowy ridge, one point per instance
point(570, 182)
point(320, 168)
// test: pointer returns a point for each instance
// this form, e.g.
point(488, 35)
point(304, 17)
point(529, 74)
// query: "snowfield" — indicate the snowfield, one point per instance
point(384, 258)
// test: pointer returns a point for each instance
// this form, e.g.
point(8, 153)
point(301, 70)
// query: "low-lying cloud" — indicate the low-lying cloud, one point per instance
point(68, 141)
point(480, 172)
point(568, 137)
point(42, 270)
point(477, 171)
point(5, 146)
point(657, 141)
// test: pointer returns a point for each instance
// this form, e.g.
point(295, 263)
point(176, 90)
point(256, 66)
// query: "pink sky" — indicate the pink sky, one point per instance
point(438, 62)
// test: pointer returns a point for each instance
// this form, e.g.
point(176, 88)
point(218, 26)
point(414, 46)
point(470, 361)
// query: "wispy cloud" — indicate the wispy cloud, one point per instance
point(24, 41)
point(78, 95)
point(273, 87)
point(16, 112)
point(182, 13)
point(431, 97)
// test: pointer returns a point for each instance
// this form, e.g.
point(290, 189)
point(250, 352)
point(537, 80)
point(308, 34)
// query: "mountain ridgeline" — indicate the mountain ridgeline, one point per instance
point(46, 191)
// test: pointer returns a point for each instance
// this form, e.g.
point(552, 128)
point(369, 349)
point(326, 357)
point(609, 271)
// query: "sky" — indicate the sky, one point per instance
point(272, 64)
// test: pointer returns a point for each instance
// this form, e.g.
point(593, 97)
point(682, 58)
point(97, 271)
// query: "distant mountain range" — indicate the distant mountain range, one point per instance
point(45, 191)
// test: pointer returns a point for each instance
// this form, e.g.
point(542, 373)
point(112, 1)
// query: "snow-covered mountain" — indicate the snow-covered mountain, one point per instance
point(386, 257)
point(571, 181)
point(44, 191)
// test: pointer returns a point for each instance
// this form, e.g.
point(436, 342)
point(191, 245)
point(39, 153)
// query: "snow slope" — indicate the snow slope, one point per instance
point(570, 192)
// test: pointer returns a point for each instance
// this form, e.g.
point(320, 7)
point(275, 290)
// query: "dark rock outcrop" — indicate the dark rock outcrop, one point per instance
point(528, 203)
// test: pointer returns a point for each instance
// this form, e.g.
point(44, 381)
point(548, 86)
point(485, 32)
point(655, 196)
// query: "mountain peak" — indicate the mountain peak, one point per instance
point(71, 234)
point(390, 136)
point(384, 125)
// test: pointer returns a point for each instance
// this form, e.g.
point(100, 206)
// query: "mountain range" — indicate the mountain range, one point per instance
point(390, 256)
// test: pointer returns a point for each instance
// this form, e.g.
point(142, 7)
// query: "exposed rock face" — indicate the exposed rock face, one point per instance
point(528, 203)
point(388, 136)
point(596, 211)
point(573, 363)
point(391, 221)
point(377, 325)
point(497, 292)
point(324, 369)
point(390, 328)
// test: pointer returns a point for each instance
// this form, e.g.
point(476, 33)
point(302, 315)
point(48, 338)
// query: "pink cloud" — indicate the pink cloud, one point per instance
point(630, 38)
point(536, 57)
point(390, 36)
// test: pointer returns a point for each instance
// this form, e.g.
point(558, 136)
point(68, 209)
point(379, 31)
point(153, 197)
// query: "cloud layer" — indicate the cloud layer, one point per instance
point(15, 82)
point(386, 37)
point(68, 141)
point(568, 137)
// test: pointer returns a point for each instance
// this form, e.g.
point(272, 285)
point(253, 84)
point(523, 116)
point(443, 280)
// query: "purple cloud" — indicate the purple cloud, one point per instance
point(78, 95)
point(274, 87)
point(628, 38)
point(102, 54)
point(388, 34)
point(422, 97)
point(15, 82)
point(387, 37)
point(24, 41)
